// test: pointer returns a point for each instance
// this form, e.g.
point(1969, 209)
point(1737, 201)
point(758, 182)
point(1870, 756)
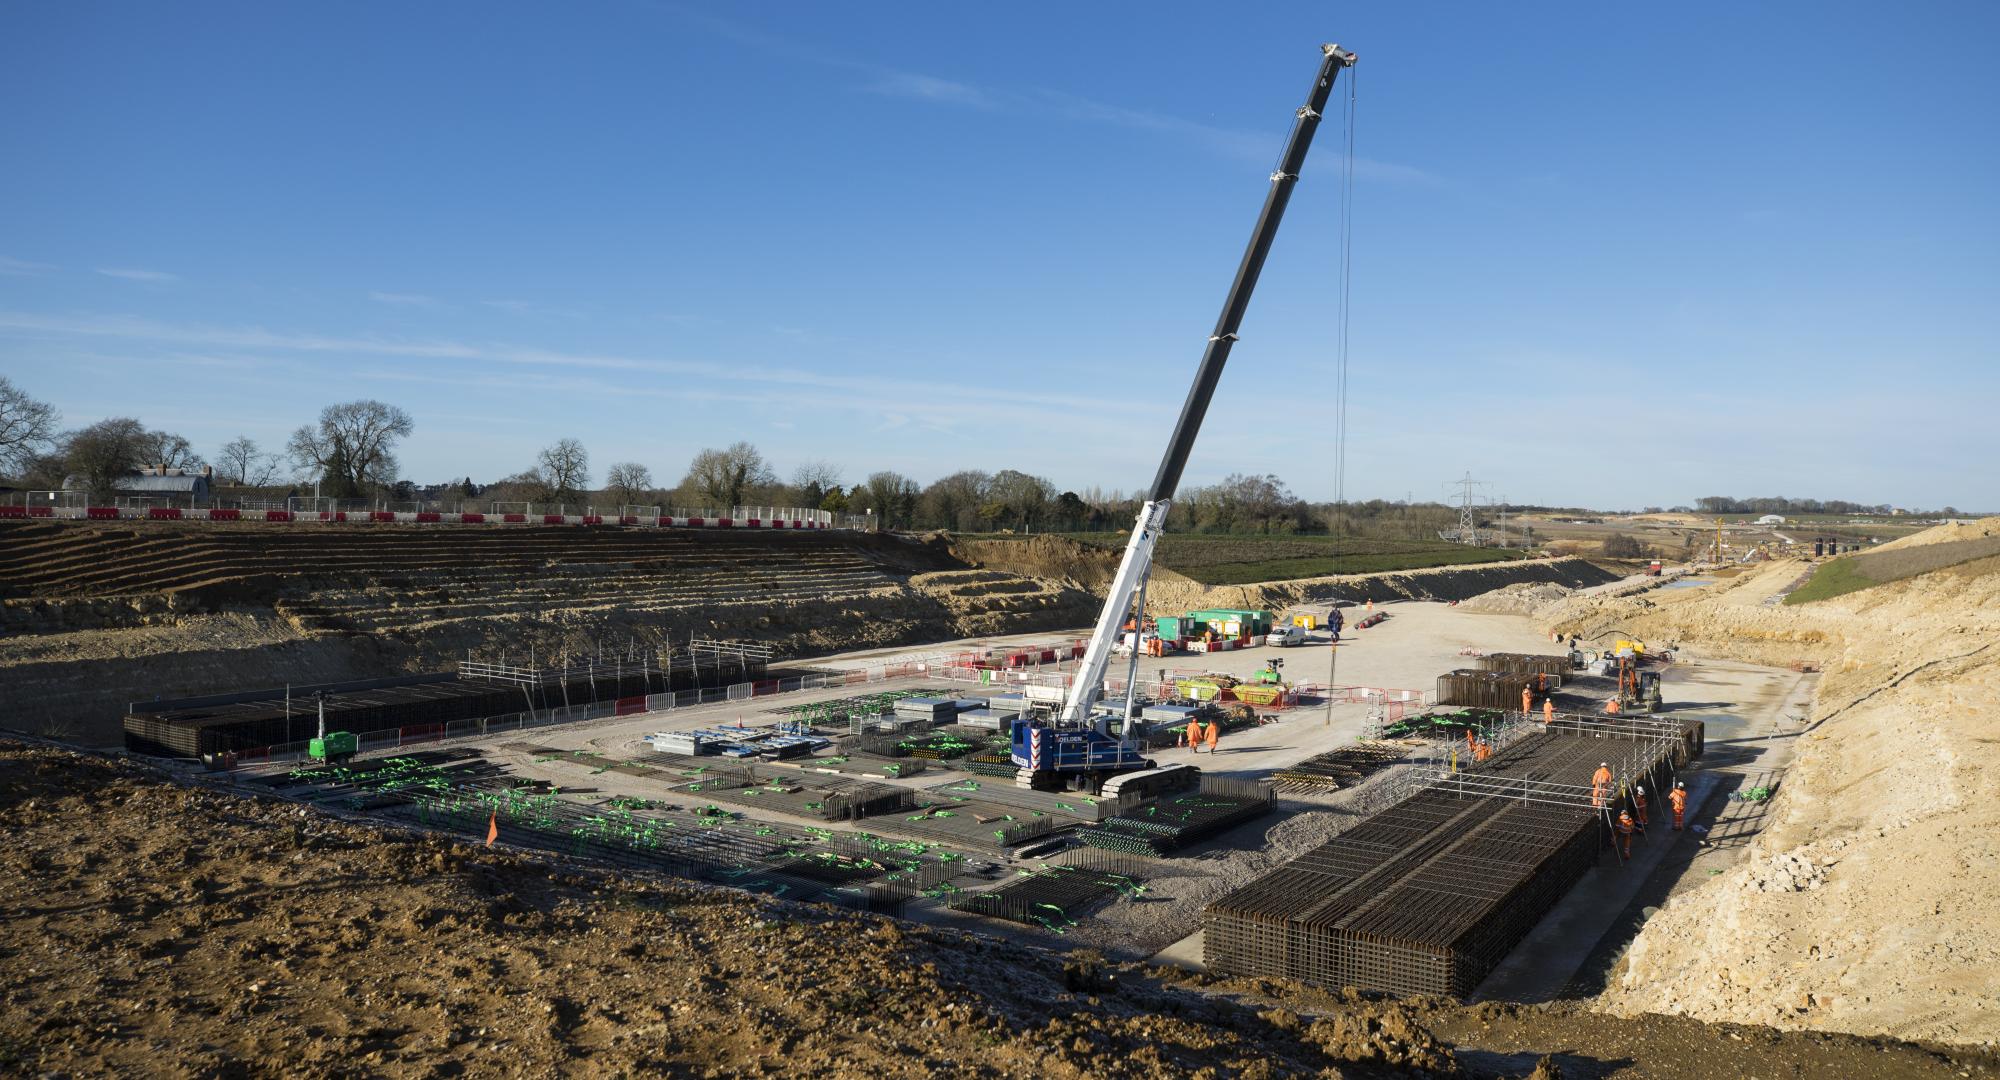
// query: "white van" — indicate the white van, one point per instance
point(1286, 636)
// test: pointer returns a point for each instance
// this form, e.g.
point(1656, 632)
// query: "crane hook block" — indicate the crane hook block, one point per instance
point(1345, 57)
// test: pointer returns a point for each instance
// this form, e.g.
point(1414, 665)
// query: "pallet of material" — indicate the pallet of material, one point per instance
point(936, 710)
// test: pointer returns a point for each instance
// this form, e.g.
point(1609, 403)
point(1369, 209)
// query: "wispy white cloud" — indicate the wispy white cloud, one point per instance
point(397, 299)
point(945, 394)
point(894, 82)
point(531, 307)
point(907, 84)
point(128, 274)
point(22, 267)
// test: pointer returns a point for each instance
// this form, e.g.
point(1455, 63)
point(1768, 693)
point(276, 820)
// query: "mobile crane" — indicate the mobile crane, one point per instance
point(1076, 746)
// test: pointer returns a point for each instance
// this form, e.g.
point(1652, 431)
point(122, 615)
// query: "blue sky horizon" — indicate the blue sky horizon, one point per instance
point(1602, 257)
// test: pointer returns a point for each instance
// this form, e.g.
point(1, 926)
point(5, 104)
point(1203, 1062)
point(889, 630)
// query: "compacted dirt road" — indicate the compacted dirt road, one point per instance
point(152, 927)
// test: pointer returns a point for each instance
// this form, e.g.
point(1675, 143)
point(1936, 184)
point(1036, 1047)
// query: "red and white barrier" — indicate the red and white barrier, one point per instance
point(391, 517)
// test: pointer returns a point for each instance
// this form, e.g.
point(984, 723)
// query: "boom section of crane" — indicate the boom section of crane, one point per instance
point(1136, 566)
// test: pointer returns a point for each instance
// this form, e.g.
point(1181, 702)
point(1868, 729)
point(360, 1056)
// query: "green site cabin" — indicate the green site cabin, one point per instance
point(335, 746)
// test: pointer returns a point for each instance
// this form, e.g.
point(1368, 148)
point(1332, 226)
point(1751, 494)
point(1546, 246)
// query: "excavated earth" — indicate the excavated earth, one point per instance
point(1871, 901)
point(93, 616)
point(149, 926)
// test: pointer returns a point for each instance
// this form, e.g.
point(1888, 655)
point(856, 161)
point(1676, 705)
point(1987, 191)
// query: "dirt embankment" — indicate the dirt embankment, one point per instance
point(1872, 903)
point(98, 617)
point(1089, 567)
point(156, 929)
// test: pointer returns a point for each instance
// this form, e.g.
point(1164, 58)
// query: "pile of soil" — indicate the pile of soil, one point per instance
point(155, 927)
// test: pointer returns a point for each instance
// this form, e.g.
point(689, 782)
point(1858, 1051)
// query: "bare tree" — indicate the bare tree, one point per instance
point(628, 482)
point(723, 475)
point(892, 496)
point(564, 469)
point(813, 480)
point(107, 450)
point(27, 428)
point(242, 461)
point(166, 449)
point(352, 446)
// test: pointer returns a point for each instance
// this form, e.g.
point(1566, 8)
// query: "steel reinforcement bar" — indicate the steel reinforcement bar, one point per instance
point(1426, 896)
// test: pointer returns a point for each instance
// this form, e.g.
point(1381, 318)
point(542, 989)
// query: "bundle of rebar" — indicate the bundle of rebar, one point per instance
point(1337, 769)
point(865, 800)
point(1428, 895)
point(1052, 898)
point(1485, 689)
point(1174, 822)
point(1526, 664)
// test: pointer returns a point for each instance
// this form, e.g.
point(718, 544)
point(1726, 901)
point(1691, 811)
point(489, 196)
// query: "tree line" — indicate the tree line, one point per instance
point(350, 452)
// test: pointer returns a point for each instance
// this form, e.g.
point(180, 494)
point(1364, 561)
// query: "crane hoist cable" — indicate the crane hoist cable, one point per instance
point(1340, 362)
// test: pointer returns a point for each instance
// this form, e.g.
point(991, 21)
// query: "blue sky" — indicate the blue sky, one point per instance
point(1603, 254)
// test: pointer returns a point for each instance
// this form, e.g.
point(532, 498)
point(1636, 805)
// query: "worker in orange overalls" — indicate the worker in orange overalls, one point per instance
point(1191, 735)
point(1548, 711)
point(1214, 734)
point(1611, 707)
point(1527, 701)
point(1678, 799)
point(1639, 805)
point(1600, 785)
point(1625, 827)
point(1471, 743)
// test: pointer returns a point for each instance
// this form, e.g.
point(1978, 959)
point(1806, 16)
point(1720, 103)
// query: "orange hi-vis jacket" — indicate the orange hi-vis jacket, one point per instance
point(1679, 799)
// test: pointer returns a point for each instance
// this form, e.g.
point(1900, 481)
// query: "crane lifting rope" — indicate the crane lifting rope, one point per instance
point(1078, 745)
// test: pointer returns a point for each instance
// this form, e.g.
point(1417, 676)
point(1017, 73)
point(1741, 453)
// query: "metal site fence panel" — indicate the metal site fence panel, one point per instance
point(650, 703)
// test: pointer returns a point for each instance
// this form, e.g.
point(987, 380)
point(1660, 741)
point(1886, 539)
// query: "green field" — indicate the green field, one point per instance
point(1224, 559)
point(1853, 573)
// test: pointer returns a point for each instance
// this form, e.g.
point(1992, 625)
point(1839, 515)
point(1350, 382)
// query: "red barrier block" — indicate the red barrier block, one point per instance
point(13, 511)
point(628, 705)
point(552, 519)
point(514, 519)
point(277, 515)
point(473, 519)
point(724, 522)
point(225, 515)
point(595, 519)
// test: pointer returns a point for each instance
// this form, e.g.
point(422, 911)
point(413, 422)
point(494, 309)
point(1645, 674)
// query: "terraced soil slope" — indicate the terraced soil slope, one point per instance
point(94, 616)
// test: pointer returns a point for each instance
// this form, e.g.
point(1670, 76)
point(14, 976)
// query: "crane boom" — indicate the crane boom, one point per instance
point(1137, 563)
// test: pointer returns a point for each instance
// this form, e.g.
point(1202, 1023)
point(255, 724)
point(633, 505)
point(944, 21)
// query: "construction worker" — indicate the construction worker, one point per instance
point(1639, 805)
point(1625, 827)
point(1600, 785)
point(1678, 799)
point(1548, 711)
point(1471, 743)
point(1214, 734)
point(1527, 701)
point(1194, 735)
point(1611, 706)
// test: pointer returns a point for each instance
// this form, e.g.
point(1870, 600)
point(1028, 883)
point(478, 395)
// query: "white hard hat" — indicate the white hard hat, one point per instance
point(1638, 789)
point(1603, 764)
